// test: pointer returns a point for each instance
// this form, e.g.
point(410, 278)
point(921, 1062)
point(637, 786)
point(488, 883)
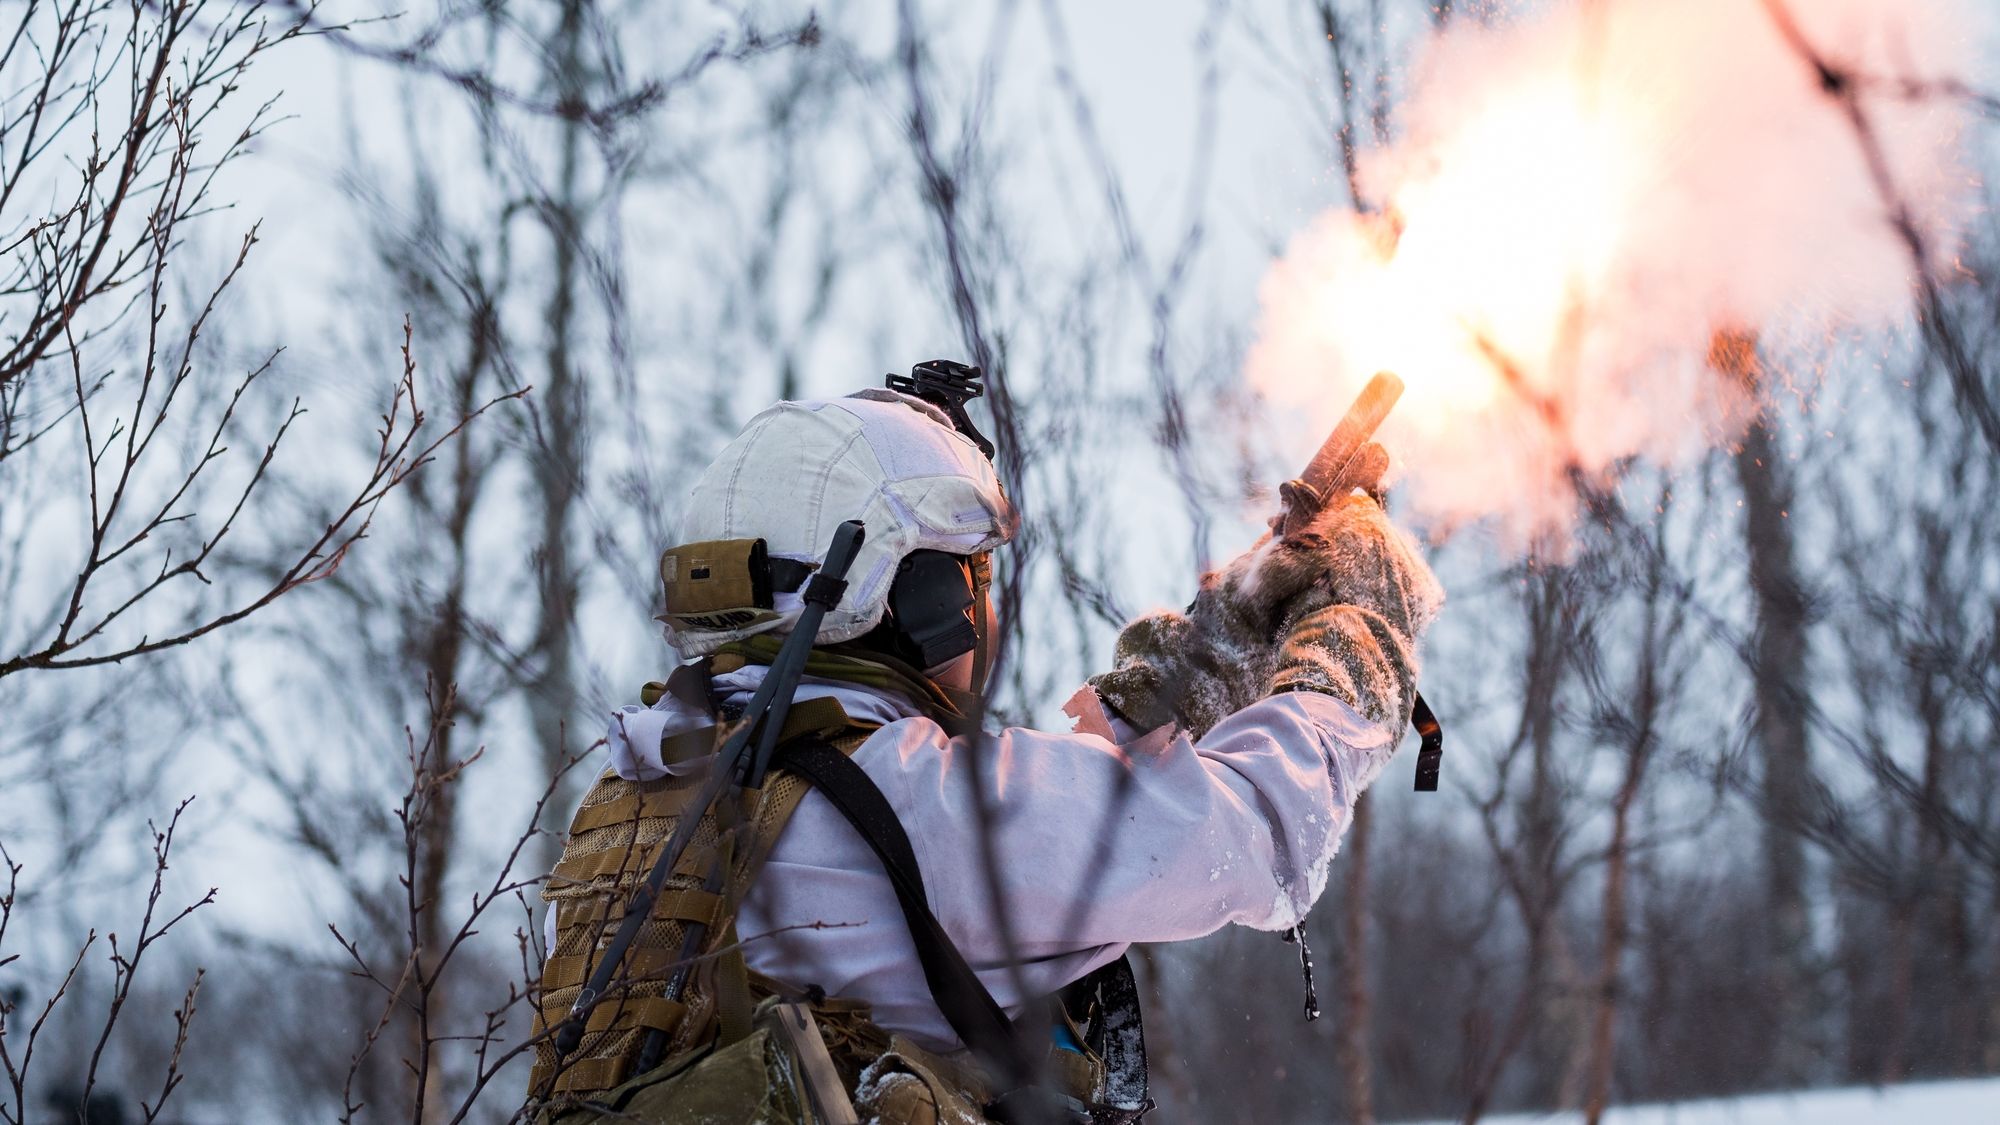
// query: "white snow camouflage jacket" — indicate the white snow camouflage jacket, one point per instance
point(1101, 843)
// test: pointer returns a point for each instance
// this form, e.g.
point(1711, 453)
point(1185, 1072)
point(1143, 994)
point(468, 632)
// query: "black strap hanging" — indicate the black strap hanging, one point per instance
point(1430, 752)
point(970, 1009)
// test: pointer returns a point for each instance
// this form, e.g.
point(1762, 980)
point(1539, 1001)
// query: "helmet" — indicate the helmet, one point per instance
point(762, 514)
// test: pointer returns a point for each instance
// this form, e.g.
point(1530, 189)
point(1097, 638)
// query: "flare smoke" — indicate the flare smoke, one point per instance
point(1580, 199)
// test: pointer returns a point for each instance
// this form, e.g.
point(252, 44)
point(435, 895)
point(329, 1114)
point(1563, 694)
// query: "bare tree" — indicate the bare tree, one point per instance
point(1916, 631)
point(1632, 716)
point(434, 938)
point(1526, 820)
point(139, 512)
point(99, 359)
point(17, 1051)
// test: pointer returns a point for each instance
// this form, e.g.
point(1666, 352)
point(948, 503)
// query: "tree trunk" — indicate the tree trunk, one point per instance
point(1529, 862)
point(1604, 1018)
point(1902, 956)
point(1778, 683)
point(558, 463)
point(444, 646)
point(1639, 744)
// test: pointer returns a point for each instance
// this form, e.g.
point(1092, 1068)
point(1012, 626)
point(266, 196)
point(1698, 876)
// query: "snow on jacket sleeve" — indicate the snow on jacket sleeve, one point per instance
point(1099, 845)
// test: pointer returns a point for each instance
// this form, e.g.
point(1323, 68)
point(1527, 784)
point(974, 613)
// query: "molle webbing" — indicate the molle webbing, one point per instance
point(613, 841)
point(951, 709)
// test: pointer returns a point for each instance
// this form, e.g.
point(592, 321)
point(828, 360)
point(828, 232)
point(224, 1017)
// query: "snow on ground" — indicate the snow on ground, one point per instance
point(1968, 1102)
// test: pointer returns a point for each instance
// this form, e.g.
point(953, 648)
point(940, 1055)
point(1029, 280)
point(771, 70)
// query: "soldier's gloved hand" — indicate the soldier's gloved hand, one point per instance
point(1224, 653)
point(1357, 657)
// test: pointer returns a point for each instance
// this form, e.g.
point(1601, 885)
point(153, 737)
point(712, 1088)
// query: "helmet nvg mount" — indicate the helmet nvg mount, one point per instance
point(947, 385)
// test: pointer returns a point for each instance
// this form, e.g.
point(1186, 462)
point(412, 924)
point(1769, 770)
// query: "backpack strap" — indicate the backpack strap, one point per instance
point(970, 1009)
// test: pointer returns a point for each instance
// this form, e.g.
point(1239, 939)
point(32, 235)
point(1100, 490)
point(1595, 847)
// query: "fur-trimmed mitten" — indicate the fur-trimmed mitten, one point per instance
point(1237, 639)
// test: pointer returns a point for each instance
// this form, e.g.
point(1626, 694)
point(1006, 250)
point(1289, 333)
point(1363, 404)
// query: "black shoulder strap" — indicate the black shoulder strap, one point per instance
point(971, 1010)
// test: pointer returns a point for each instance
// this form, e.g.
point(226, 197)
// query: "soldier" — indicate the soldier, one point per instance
point(849, 961)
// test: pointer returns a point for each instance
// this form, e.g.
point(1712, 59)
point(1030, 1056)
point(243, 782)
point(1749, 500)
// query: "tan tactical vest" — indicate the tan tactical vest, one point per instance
point(613, 841)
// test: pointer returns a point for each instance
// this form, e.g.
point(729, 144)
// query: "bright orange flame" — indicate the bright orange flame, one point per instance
point(1519, 218)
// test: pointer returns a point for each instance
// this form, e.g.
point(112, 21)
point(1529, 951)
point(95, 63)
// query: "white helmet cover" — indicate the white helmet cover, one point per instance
point(801, 468)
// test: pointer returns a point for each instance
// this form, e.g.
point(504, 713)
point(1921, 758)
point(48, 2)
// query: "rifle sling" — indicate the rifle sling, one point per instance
point(970, 1009)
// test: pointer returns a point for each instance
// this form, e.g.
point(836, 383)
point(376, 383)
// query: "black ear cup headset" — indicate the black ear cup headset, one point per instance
point(936, 608)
